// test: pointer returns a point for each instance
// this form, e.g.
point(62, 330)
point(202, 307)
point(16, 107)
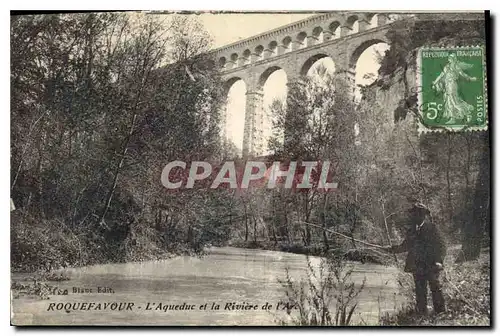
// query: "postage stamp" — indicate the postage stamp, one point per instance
point(452, 93)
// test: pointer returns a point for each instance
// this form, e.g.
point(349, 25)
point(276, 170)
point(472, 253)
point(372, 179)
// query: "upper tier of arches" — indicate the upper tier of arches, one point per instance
point(344, 63)
point(303, 34)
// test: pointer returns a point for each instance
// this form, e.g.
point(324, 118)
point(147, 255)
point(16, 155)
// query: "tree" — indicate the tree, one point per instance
point(317, 124)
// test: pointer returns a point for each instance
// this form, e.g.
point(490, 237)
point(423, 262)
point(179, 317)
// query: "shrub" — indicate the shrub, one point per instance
point(313, 297)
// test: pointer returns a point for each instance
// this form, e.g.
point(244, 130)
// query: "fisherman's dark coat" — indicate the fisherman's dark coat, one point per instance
point(425, 247)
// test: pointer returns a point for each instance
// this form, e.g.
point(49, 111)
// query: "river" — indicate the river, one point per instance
point(223, 276)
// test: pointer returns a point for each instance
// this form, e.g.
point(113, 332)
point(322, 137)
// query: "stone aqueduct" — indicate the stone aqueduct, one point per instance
point(295, 47)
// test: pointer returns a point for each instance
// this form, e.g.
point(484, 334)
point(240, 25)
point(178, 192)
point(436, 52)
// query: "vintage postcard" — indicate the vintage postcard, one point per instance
point(250, 169)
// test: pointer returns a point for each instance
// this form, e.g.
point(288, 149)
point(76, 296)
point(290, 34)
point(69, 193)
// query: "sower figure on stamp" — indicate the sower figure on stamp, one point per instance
point(426, 251)
point(455, 108)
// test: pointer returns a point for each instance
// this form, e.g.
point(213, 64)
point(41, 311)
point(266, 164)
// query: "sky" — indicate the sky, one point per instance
point(228, 28)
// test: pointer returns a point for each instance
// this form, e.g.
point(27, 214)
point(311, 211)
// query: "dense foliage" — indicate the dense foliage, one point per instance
point(100, 103)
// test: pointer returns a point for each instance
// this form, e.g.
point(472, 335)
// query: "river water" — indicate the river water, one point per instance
point(225, 275)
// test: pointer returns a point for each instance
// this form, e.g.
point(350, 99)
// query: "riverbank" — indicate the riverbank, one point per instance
point(361, 255)
point(42, 246)
point(466, 289)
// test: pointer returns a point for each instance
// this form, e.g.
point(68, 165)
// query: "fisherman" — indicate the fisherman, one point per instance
point(426, 250)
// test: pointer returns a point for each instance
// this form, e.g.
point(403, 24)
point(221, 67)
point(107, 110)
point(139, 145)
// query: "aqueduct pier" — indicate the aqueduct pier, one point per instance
point(294, 48)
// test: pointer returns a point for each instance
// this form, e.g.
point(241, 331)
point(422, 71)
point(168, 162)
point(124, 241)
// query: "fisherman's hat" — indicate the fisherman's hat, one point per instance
point(421, 206)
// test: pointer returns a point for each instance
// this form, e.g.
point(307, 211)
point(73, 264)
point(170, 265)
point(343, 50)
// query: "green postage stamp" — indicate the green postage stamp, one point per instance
point(452, 93)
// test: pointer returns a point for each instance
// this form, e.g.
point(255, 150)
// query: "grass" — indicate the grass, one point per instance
point(42, 247)
point(466, 288)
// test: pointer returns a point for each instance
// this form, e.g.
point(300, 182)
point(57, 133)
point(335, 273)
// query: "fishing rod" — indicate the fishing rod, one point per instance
point(342, 235)
point(387, 230)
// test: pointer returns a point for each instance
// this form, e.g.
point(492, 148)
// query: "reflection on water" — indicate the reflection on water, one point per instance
point(226, 275)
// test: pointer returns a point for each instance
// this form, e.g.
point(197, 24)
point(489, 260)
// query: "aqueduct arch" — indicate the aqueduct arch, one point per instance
point(310, 62)
point(356, 53)
point(229, 82)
